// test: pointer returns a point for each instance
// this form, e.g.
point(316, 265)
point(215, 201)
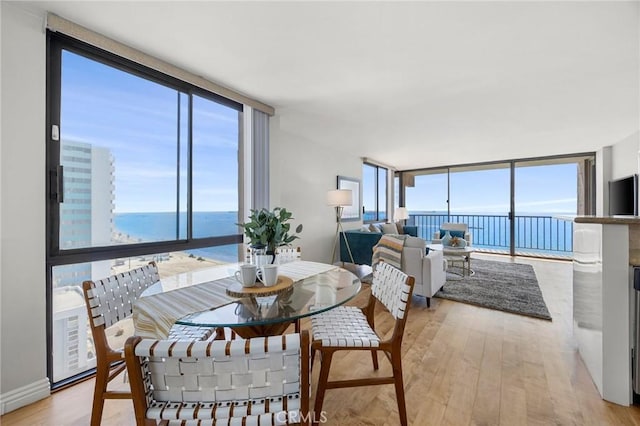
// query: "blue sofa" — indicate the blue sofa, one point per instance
point(362, 242)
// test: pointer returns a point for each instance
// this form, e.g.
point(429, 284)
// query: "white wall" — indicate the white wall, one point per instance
point(617, 161)
point(301, 175)
point(625, 156)
point(22, 244)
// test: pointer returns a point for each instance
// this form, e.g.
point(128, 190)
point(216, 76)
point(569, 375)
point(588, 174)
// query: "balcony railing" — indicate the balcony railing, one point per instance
point(542, 235)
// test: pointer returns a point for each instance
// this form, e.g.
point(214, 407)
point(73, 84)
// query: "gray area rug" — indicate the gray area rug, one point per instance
point(509, 287)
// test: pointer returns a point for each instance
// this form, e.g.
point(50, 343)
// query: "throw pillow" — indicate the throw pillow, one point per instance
point(459, 234)
point(374, 228)
point(365, 228)
point(400, 227)
point(389, 228)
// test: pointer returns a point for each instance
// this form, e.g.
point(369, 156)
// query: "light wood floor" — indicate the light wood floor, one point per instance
point(463, 365)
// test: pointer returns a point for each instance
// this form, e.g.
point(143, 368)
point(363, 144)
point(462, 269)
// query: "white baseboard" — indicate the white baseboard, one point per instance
point(25, 395)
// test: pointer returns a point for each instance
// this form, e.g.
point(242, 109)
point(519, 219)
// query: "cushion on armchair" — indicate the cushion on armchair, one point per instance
point(459, 234)
point(416, 242)
point(389, 228)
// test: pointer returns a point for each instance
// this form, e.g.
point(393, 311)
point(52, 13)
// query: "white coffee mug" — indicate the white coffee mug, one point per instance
point(247, 275)
point(268, 274)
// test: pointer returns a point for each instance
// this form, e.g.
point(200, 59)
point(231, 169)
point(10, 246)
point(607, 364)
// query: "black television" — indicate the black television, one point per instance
point(623, 196)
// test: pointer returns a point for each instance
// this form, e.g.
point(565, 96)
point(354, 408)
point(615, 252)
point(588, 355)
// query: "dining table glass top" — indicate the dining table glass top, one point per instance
point(308, 296)
point(202, 299)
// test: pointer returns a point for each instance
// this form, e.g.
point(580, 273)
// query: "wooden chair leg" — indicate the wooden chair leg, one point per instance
point(220, 334)
point(325, 365)
point(374, 357)
point(102, 377)
point(396, 362)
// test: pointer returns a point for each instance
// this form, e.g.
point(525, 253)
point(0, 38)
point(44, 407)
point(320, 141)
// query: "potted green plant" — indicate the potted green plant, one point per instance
point(268, 229)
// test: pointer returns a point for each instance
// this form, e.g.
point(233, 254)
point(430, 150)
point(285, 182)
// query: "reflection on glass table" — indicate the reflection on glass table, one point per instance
point(260, 316)
point(317, 287)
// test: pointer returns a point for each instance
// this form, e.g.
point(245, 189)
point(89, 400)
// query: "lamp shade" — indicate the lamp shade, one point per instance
point(339, 197)
point(401, 213)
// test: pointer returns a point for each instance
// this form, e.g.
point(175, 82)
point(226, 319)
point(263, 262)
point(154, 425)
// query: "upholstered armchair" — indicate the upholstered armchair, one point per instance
point(460, 230)
point(428, 269)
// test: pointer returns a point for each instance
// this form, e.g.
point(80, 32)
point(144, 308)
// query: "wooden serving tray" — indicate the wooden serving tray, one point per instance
point(238, 290)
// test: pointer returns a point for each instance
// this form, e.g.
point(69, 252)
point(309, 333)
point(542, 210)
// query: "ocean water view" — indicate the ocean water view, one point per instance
point(165, 226)
point(543, 233)
point(550, 233)
point(534, 232)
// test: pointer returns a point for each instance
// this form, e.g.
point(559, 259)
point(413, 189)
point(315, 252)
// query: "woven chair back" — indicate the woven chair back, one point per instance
point(287, 254)
point(258, 377)
point(111, 299)
point(391, 289)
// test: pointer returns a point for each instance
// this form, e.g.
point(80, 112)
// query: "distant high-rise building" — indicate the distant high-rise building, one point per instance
point(86, 220)
point(86, 215)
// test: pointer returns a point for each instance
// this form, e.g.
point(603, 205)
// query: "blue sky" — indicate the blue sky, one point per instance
point(539, 189)
point(137, 120)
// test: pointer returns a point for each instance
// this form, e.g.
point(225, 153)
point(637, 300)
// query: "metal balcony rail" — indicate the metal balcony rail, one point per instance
point(533, 234)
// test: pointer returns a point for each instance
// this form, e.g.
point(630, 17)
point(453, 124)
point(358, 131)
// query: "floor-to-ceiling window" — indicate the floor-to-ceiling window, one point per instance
point(374, 192)
point(517, 207)
point(544, 193)
point(479, 196)
point(426, 196)
point(141, 167)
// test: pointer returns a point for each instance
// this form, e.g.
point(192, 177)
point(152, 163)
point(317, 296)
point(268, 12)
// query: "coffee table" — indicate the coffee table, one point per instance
point(456, 254)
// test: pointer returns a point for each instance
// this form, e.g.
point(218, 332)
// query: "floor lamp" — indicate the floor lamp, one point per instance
point(339, 198)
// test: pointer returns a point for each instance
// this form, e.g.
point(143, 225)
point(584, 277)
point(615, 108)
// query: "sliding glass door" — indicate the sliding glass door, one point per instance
point(479, 197)
point(545, 203)
point(520, 207)
point(426, 196)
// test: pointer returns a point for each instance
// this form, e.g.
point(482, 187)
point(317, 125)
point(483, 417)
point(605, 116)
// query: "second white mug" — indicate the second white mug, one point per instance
point(268, 274)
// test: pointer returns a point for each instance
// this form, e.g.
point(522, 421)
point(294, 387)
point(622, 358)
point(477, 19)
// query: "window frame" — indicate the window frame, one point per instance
point(55, 256)
point(377, 215)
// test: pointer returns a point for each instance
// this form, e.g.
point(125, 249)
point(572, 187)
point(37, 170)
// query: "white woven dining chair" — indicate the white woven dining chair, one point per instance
point(288, 254)
point(352, 328)
point(258, 381)
point(284, 254)
point(110, 301)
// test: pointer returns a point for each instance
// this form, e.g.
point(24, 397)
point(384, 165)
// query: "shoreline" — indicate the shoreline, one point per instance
point(169, 264)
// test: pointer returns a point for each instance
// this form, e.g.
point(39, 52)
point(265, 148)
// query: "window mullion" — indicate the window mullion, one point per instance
point(377, 193)
point(178, 163)
point(190, 171)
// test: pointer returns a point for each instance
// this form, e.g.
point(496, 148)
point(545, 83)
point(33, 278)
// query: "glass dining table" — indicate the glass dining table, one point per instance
point(315, 288)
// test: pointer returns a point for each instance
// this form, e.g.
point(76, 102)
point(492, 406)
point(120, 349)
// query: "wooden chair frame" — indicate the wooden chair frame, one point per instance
point(109, 361)
point(391, 348)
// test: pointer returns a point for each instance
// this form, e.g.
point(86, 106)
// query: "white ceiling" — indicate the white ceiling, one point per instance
point(412, 84)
